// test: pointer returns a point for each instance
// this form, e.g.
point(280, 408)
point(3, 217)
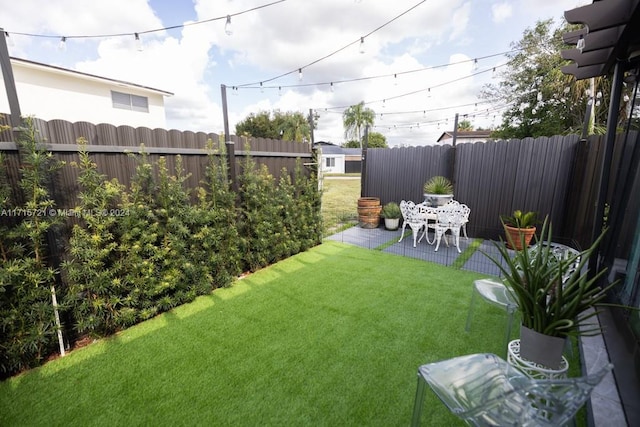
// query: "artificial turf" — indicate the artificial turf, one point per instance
point(332, 336)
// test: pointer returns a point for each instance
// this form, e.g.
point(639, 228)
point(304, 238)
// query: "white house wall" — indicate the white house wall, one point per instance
point(339, 164)
point(48, 95)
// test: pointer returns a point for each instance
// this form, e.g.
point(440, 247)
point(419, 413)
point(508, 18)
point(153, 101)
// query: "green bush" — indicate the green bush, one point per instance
point(29, 318)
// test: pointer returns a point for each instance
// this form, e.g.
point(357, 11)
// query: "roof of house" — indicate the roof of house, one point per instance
point(329, 148)
point(610, 35)
point(87, 76)
point(466, 134)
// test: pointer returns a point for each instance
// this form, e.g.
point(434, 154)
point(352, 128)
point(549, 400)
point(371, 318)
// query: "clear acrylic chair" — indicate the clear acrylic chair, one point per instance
point(484, 390)
point(497, 294)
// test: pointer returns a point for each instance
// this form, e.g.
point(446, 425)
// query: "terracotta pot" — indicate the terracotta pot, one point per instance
point(364, 202)
point(540, 348)
point(516, 235)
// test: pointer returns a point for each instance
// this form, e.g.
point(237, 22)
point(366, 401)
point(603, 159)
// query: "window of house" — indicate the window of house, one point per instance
point(331, 162)
point(127, 101)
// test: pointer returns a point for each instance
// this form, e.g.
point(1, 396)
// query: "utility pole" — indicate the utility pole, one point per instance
point(9, 83)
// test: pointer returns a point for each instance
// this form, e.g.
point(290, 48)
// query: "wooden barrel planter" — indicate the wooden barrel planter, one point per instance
point(369, 212)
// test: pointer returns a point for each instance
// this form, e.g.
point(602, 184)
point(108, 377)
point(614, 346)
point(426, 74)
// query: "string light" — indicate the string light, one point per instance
point(361, 44)
point(172, 27)
point(299, 74)
point(261, 88)
point(331, 86)
point(8, 39)
point(475, 64)
point(227, 26)
point(580, 44)
point(63, 44)
point(139, 45)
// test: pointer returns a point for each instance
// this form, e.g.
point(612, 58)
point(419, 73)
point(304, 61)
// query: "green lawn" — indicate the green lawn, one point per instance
point(339, 203)
point(329, 337)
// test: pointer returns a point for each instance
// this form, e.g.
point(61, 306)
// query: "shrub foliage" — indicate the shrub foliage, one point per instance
point(134, 252)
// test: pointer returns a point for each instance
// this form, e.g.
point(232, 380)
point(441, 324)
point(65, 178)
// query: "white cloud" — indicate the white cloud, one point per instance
point(501, 12)
point(192, 62)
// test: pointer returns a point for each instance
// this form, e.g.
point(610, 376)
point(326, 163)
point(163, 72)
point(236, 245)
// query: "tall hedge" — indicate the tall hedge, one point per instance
point(135, 252)
point(29, 320)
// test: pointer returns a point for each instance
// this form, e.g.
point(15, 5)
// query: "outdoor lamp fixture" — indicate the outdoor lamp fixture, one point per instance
point(580, 44)
point(63, 44)
point(138, 42)
point(361, 44)
point(227, 26)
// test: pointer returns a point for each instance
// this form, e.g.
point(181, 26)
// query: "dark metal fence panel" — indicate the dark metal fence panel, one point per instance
point(492, 178)
point(111, 148)
point(399, 173)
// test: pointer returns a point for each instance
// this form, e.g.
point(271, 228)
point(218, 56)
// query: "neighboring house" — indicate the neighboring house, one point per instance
point(465, 136)
point(336, 159)
point(49, 92)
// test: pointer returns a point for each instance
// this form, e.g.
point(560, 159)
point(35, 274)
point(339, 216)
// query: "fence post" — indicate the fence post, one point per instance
point(363, 167)
point(231, 164)
point(10, 85)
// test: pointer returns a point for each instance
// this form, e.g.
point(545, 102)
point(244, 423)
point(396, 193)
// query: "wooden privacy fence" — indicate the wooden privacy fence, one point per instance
point(109, 147)
point(556, 176)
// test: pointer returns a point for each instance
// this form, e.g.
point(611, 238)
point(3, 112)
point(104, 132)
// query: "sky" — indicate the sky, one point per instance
point(421, 63)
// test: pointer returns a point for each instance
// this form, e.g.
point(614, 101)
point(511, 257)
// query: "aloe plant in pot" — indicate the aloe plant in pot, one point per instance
point(553, 295)
point(438, 190)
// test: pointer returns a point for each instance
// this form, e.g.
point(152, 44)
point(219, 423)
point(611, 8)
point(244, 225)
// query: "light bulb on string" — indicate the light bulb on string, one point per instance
point(227, 26)
point(493, 73)
point(331, 86)
point(8, 39)
point(62, 46)
point(300, 74)
point(261, 88)
point(475, 64)
point(580, 44)
point(361, 44)
point(279, 90)
point(139, 45)
point(395, 80)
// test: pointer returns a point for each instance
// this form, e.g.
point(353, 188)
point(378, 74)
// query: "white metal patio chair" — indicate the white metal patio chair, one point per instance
point(415, 216)
point(453, 216)
point(484, 390)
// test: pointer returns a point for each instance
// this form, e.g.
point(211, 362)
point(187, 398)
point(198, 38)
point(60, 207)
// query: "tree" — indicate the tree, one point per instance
point(541, 100)
point(290, 126)
point(355, 118)
point(376, 140)
point(465, 125)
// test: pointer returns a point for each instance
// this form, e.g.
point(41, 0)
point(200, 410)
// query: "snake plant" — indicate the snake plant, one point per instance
point(553, 296)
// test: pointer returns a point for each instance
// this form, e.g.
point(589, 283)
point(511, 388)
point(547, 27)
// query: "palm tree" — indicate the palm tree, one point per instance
point(355, 118)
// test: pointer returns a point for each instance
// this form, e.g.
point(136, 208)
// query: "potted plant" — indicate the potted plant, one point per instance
point(553, 295)
point(391, 214)
point(519, 228)
point(438, 190)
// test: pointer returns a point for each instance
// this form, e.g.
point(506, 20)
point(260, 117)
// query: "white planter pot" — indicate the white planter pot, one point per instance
point(435, 200)
point(391, 223)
